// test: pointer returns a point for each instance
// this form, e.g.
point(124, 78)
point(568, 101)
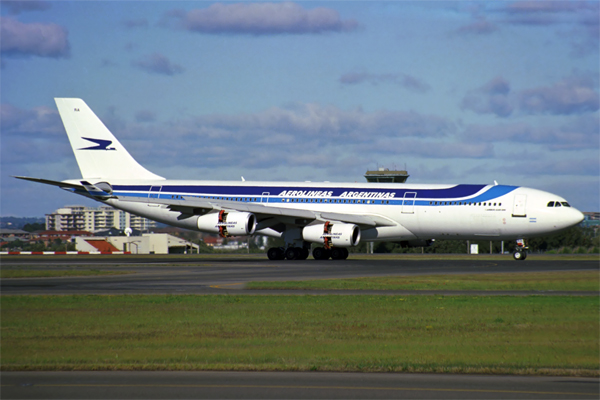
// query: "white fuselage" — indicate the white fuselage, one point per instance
point(414, 211)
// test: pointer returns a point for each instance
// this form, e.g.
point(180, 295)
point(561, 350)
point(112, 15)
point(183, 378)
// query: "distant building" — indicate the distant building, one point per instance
point(148, 243)
point(95, 219)
point(6, 233)
point(384, 175)
point(64, 236)
point(591, 220)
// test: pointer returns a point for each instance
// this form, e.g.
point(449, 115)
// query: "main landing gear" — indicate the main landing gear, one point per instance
point(520, 252)
point(297, 248)
point(335, 253)
point(291, 253)
point(301, 253)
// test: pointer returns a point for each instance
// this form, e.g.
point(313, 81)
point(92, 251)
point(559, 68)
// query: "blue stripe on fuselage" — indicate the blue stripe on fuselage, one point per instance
point(423, 197)
point(458, 191)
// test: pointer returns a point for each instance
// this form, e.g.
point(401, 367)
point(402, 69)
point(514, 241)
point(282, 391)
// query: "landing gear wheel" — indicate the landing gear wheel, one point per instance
point(346, 253)
point(275, 253)
point(337, 253)
point(320, 253)
point(303, 253)
point(520, 255)
point(293, 253)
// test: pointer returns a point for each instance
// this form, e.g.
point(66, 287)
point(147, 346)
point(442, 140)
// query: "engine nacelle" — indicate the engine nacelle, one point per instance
point(332, 234)
point(228, 223)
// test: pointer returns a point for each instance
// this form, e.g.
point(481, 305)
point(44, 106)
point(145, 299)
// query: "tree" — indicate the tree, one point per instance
point(35, 226)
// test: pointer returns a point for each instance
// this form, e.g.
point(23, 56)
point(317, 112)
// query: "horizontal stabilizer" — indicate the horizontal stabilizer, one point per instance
point(60, 184)
point(85, 188)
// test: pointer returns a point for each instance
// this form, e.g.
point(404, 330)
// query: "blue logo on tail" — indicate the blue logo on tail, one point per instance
point(101, 144)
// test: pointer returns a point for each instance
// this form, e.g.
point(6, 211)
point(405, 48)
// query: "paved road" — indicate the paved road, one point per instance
point(288, 385)
point(228, 276)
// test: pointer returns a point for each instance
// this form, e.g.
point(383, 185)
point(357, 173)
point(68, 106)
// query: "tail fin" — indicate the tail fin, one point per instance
point(99, 154)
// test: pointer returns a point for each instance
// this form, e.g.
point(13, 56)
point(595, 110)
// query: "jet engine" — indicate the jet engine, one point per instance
point(332, 234)
point(228, 223)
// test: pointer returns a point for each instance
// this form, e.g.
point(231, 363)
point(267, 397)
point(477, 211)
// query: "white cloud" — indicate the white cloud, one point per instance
point(37, 121)
point(158, 64)
point(18, 7)
point(260, 19)
point(574, 94)
point(403, 80)
point(577, 133)
point(491, 98)
point(36, 39)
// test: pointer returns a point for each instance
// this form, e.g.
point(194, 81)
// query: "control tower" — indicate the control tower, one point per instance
point(384, 175)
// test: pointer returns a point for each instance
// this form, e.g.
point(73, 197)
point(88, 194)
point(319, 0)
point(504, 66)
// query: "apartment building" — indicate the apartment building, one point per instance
point(92, 219)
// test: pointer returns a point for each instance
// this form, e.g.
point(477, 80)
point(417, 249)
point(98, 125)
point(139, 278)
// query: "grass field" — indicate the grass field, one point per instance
point(517, 335)
point(543, 281)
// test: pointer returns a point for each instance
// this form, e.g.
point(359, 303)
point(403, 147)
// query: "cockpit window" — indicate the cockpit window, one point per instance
point(551, 204)
point(564, 203)
point(557, 204)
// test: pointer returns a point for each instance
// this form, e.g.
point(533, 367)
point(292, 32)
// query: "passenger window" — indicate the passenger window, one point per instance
point(551, 204)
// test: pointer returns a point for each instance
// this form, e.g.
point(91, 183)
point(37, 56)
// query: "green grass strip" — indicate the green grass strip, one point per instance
point(517, 335)
point(43, 273)
point(542, 281)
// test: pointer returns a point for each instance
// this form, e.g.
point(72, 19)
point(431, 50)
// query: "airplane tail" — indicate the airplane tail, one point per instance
point(99, 154)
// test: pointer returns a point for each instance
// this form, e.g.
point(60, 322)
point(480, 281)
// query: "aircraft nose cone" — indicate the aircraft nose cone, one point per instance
point(574, 217)
point(578, 217)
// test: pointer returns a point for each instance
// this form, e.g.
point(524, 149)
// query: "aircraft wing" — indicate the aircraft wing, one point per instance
point(196, 206)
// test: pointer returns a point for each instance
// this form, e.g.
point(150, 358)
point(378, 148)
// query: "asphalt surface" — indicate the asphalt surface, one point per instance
point(289, 385)
point(229, 276)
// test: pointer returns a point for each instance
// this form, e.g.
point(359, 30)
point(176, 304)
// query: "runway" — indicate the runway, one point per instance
point(229, 275)
point(288, 385)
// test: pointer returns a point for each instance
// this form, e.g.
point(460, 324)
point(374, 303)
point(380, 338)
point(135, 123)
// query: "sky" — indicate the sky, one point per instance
point(455, 92)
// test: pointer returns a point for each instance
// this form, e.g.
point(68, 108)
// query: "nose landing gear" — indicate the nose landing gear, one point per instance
point(520, 252)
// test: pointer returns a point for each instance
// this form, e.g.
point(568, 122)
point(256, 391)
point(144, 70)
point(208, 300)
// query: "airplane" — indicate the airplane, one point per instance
point(335, 216)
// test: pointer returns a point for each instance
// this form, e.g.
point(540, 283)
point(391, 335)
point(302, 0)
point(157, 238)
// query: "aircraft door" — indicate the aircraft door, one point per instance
point(265, 197)
point(408, 205)
point(154, 193)
point(519, 205)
